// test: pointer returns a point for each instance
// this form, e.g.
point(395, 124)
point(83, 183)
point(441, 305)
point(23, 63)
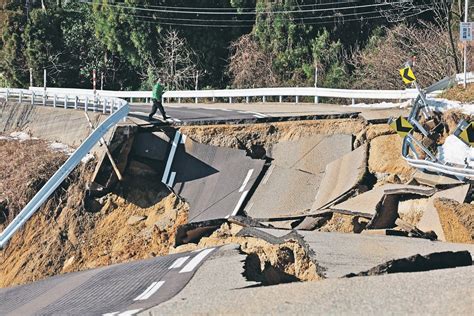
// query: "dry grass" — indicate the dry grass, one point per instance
point(24, 168)
point(458, 93)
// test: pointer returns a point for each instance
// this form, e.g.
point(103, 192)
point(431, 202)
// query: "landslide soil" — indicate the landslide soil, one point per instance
point(136, 221)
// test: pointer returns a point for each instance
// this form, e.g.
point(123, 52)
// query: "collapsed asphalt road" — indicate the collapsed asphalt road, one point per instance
point(122, 289)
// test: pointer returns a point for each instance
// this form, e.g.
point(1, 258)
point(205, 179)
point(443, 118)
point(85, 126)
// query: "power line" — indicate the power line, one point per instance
point(237, 9)
point(245, 13)
point(360, 14)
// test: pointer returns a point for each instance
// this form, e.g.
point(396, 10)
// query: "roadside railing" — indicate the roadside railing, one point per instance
point(264, 94)
point(118, 110)
point(67, 99)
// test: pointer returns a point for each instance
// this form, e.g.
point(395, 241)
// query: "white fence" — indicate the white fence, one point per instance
point(232, 95)
point(118, 110)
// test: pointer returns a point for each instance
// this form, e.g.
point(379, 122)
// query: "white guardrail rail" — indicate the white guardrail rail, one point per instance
point(263, 93)
point(118, 110)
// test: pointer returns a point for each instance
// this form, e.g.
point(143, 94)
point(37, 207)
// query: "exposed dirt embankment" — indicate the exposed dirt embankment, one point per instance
point(256, 137)
point(135, 221)
point(24, 167)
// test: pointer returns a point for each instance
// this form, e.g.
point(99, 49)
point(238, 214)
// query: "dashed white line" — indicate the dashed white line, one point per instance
point(269, 173)
point(178, 263)
point(111, 314)
point(130, 312)
point(171, 157)
point(246, 180)
point(196, 260)
point(155, 286)
point(171, 181)
point(183, 139)
point(239, 204)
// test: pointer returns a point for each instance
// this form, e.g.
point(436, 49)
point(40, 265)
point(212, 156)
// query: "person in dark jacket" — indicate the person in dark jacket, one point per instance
point(158, 91)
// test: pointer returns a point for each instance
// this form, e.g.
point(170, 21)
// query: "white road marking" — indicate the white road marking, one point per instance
point(183, 139)
point(178, 263)
point(249, 207)
point(155, 286)
point(246, 180)
point(130, 312)
point(171, 181)
point(196, 260)
point(171, 157)
point(239, 204)
point(226, 110)
point(111, 314)
point(259, 116)
point(269, 173)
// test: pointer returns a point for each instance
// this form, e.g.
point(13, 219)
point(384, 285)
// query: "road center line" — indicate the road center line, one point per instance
point(171, 181)
point(246, 180)
point(239, 204)
point(196, 260)
point(130, 312)
point(179, 262)
point(269, 173)
point(155, 286)
point(171, 157)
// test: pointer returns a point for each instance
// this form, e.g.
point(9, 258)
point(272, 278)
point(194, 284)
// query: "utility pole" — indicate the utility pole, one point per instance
point(466, 5)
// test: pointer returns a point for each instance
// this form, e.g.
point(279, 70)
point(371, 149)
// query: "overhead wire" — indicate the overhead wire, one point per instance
point(244, 13)
point(242, 8)
point(337, 15)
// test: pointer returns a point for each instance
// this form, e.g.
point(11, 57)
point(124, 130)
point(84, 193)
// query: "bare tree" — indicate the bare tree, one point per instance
point(377, 66)
point(249, 66)
point(442, 10)
point(178, 62)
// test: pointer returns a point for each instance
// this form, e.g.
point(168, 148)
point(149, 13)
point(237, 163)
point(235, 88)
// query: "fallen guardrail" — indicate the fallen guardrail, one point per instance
point(118, 110)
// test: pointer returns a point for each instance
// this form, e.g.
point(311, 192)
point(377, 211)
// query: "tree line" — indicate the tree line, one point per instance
point(225, 43)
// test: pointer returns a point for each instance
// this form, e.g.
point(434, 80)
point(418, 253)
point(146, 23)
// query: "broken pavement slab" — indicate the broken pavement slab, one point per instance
point(341, 254)
point(214, 181)
point(380, 204)
point(291, 182)
point(341, 177)
point(434, 180)
point(431, 219)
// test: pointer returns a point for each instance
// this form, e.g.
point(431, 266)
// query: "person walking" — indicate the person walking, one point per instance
point(158, 91)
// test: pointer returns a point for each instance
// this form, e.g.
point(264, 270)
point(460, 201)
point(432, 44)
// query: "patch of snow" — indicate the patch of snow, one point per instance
point(456, 151)
point(60, 147)
point(382, 105)
point(21, 136)
point(87, 158)
point(442, 105)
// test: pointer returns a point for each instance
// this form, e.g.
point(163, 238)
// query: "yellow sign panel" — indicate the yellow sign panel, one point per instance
point(401, 126)
point(467, 135)
point(407, 75)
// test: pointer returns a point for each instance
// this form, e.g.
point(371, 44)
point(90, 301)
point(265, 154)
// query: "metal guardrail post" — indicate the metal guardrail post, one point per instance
point(104, 107)
point(280, 99)
point(32, 98)
point(54, 101)
point(75, 102)
point(65, 101)
point(264, 99)
point(246, 99)
point(230, 99)
point(353, 101)
point(214, 99)
point(179, 100)
point(44, 99)
point(86, 104)
point(297, 99)
point(196, 100)
point(316, 100)
point(21, 96)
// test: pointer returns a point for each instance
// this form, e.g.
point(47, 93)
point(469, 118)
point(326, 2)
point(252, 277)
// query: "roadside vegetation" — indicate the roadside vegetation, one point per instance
point(131, 43)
